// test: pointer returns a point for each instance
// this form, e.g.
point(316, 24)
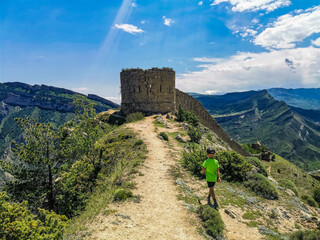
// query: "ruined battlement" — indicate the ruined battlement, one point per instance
point(148, 91)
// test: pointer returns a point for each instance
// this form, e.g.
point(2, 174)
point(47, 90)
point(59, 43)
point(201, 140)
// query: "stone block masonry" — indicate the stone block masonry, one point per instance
point(190, 104)
point(153, 91)
point(149, 91)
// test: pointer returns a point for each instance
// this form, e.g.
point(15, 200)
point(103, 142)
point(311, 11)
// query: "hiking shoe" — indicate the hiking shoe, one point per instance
point(215, 205)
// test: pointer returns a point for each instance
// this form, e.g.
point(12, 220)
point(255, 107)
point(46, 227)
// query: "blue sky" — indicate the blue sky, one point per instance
point(215, 46)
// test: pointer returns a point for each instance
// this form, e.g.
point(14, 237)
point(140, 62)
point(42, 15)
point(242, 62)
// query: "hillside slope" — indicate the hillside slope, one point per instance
point(256, 116)
point(169, 197)
point(40, 102)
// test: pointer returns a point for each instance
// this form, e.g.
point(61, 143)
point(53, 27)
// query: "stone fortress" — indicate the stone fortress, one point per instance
point(153, 91)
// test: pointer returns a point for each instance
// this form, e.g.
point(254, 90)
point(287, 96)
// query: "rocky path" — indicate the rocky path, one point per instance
point(159, 215)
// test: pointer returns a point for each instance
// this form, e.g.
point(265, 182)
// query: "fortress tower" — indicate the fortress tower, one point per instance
point(149, 91)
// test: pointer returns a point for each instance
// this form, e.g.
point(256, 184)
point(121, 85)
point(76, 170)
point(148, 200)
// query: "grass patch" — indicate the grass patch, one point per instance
point(159, 124)
point(286, 183)
point(253, 224)
point(251, 215)
point(129, 185)
point(134, 117)
point(108, 212)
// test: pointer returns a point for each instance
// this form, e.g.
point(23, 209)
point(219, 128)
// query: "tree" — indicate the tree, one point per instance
point(33, 174)
point(78, 137)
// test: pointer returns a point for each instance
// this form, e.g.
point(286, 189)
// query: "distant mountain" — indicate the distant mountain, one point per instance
point(306, 98)
point(256, 116)
point(41, 102)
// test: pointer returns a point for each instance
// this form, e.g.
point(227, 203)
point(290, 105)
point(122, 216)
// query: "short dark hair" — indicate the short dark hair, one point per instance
point(210, 151)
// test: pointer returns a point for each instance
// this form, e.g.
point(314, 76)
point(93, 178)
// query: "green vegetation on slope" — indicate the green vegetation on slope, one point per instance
point(65, 169)
point(255, 116)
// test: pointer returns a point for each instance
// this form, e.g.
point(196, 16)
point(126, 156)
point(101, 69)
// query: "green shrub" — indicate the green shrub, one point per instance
point(257, 163)
point(133, 117)
point(233, 166)
point(316, 195)
point(309, 200)
point(209, 137)
point(18, 223)
point(194, 159)
point(262, 186)
point(286, 183)
point(194, 134)
point(122, 194)
point(185, 116)
point(164, 136)
point(305, 235)
point(139, 142)
point(212, 221)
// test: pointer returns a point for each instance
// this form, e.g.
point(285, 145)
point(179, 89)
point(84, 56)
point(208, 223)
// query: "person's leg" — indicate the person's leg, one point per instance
point(215, 204)
point(211, 193)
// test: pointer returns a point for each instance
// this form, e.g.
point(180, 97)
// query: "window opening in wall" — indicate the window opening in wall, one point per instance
point(160, 88)
point(169, 89)
point(139, 89)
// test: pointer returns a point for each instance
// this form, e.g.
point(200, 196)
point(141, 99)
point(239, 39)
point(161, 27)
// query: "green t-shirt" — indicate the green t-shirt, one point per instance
point(211, 166)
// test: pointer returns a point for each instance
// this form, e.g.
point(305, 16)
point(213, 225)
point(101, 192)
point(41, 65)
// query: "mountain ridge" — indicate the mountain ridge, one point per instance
point(256, 116)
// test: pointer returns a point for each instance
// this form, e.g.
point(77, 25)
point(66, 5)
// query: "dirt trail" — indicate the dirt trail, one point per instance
point(159, 215)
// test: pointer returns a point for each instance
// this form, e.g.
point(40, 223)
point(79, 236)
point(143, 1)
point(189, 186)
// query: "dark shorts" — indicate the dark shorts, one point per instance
point(211, 184)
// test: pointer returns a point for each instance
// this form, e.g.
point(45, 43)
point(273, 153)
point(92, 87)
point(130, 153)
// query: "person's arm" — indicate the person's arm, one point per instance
point(218, 173)
point(203, 170)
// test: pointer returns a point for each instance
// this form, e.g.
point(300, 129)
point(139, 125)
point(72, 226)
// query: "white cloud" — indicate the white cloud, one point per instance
point(254, 5)
point(287, 30)
point(200, 3)
point(129, 28)
point(211, 92)
point(114, 99)
point(143, 21)
point(82, 90)
point(255, 21)
point(245, 71)
point(167, 21)
point(316, 42)
point(134, 4)
point(249, 33)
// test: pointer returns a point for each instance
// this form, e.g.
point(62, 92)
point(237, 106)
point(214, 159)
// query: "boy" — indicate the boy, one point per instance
point(211, 167)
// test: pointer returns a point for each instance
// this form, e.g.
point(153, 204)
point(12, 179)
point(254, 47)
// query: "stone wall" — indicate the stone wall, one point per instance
point(189, 103)
point(148, 91)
